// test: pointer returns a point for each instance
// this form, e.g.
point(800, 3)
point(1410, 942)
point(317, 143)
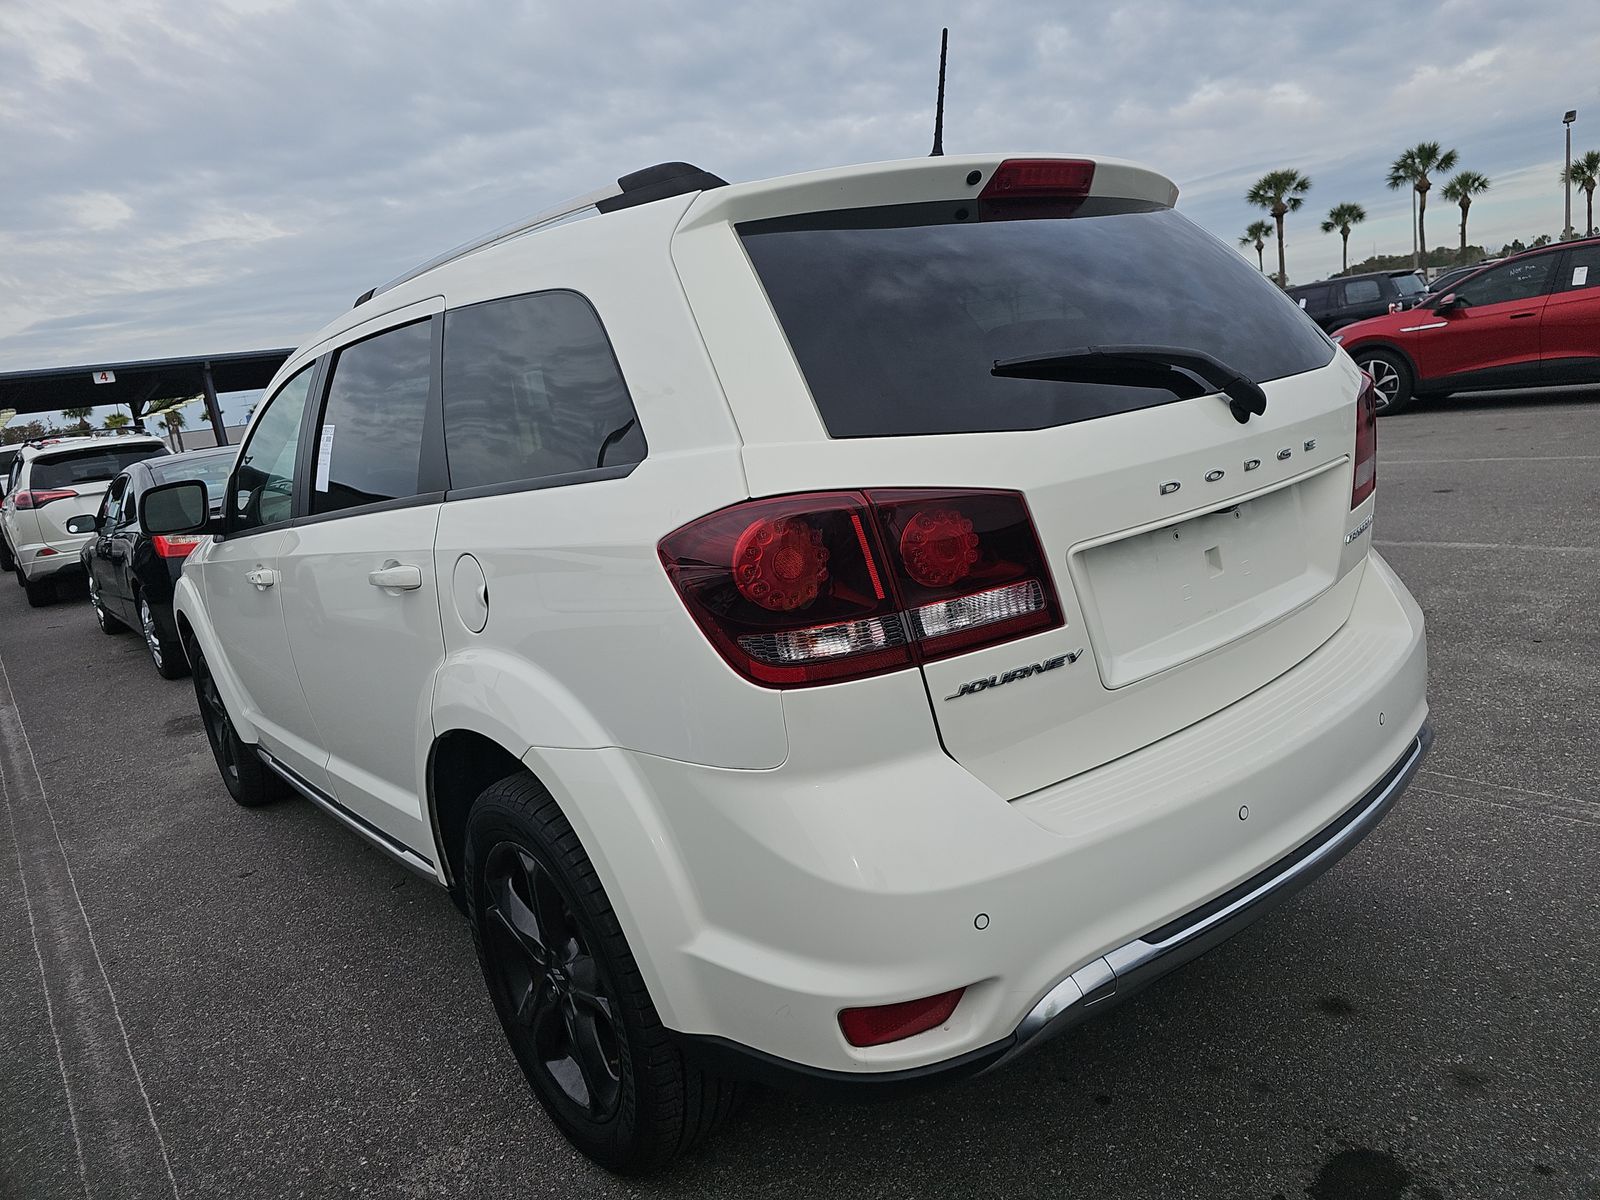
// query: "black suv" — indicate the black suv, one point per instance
point(1333, 303)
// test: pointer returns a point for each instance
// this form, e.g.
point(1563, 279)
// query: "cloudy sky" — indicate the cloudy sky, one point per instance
point(183, 178)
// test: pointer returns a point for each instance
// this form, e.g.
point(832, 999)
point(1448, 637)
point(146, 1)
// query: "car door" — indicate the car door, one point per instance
point(240, 577)
point(117, 542)
point(360, 596)
point(98, 558)
point(1492, 339)
point(1569, 330)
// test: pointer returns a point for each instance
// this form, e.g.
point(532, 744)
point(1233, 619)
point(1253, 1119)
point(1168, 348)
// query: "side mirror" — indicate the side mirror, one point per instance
point(1449, 302)
point(84, 523)
point(180, 507)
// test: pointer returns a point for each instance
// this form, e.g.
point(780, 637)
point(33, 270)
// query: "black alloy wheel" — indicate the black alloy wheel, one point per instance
point(555, 989)
point(569, 993)
point(244, 775)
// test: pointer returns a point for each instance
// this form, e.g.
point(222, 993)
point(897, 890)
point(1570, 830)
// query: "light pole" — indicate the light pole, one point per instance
point(1566, 177)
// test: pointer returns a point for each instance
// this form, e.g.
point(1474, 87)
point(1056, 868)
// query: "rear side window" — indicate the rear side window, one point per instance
point(896, 326)
point(532, 391)
point(369, 445)
point(94, 465)
point(1362, 291)
point(1581, 270)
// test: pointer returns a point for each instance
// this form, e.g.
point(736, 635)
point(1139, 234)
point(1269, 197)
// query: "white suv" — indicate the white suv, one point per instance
point(51, 482)
point(840, 629)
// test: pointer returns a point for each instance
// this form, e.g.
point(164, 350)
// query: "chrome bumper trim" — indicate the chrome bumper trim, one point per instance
point(1100, 984)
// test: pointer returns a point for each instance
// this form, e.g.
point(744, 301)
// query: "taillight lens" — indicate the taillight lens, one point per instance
point(38, 499)
point(1366, 471)
point(892, 1022)
point(1027, 188)
point(825, 586)
point(174, 545)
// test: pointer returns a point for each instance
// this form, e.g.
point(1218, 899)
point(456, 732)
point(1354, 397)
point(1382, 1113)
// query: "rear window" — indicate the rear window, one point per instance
point(93, 465)
point(896, 319)
point(1408, 285)
point(212, 470)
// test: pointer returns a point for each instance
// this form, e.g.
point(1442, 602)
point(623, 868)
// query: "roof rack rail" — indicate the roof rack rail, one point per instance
point(639, 187)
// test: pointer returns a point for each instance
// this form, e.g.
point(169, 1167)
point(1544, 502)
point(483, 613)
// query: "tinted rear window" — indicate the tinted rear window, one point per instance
point(896, 327)
point(94, 465)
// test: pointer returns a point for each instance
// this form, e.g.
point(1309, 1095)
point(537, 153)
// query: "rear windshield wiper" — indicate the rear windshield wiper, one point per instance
point(1171, 367)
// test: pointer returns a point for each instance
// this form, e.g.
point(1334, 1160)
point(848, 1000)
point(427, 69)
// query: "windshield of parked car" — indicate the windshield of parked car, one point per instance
point(897, 315)
point(1408, 285)
point(95, 464)
point(211, 470)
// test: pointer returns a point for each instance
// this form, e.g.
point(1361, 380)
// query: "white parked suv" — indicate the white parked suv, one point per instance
point(840, 629)
point(51, 482)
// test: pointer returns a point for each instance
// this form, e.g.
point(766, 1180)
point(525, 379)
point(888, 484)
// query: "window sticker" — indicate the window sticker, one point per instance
point(324, 457)
point(1580, 276)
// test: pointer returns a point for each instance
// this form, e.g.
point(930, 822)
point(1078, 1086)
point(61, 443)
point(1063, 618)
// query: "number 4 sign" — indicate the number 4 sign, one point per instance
point(104, 376)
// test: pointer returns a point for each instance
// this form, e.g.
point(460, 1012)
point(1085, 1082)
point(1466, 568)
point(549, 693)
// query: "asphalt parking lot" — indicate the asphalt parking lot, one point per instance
point(254, 1003)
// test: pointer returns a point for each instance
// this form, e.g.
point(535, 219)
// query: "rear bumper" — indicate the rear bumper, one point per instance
point(63, 564)
point(870, 868)
point(1116, 976)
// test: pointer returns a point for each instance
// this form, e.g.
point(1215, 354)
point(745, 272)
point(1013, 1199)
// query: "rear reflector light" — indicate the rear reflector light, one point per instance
point(174, 545)
point(45, 552)
point(1366, 456)
point(891, 1022)
point(40, 498)
point(801, 590)
point(1023, 188)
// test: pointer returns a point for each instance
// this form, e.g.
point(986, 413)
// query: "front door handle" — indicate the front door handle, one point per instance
point(402, 577)
point(262, 577)
point(1519, 316)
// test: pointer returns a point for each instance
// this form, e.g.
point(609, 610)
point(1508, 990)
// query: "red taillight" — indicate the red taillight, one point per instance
point(1036, 187)
point(1366, 456)
point(39, 499)
point(801, 590)
point(891, 1022)
point(174, 545)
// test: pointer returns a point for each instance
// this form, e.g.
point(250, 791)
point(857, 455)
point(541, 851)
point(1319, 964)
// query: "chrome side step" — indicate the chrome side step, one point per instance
point(396, 850)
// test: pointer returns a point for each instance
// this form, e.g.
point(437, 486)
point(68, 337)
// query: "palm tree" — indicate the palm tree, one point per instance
point(1585, 172)
point(1256, 234)
point(1342, 217)
point(80, 415)
point(1413, 167)
point(1280, 192)
point(117, 420)
point(1461, 188)
point(173, 419)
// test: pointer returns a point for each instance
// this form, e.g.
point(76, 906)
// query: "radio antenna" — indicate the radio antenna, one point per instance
point(938, 111)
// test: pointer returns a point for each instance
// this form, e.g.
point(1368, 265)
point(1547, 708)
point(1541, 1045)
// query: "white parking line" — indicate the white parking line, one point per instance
point(112, 1139)
point(1521, 547)
point(1412, 462)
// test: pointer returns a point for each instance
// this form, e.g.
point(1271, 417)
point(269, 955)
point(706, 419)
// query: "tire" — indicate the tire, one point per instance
point(40, 592)
point(164, 649)
point(1391, 377)
point(245, 776)
point(108, 624)
point(8, 561)
point(525, 874)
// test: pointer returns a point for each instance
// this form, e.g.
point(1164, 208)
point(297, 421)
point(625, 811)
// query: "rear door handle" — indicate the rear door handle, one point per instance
point(262, 577)
point(402, 577)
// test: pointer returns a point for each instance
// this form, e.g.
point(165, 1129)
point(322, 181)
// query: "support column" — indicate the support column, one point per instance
point(213, 409)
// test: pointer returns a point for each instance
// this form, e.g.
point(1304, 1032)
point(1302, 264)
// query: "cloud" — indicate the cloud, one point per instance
point(187, 178)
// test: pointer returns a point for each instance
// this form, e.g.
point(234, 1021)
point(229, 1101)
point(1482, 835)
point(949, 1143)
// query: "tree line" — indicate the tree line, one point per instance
point(1279, 193)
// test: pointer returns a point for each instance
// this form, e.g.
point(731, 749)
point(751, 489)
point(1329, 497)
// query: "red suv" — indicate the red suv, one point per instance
point(1528, 321)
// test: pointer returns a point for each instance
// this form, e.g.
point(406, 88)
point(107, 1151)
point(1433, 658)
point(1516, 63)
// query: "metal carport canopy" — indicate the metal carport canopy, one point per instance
point(141, 384)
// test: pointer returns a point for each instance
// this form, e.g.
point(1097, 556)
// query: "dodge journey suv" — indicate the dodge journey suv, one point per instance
point(837, 630)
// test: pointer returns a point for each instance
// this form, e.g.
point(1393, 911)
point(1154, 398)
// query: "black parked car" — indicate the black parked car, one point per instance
point(131, 575)
point(1333, 303)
